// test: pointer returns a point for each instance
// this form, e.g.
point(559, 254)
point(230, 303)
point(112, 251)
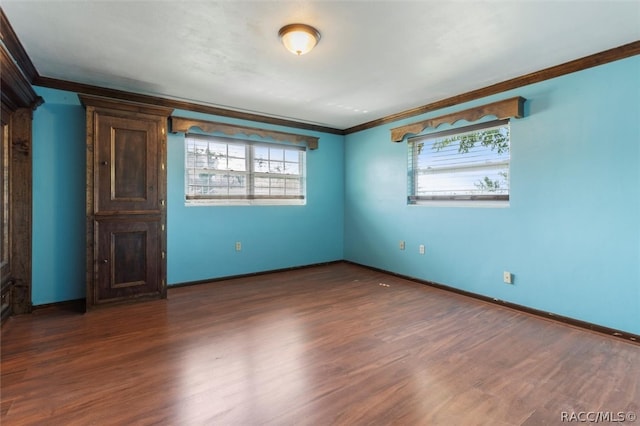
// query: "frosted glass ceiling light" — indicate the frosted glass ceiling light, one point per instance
point(299, 38)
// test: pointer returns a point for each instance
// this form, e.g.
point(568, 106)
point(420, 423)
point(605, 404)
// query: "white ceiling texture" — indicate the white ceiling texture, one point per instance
point(375, 58)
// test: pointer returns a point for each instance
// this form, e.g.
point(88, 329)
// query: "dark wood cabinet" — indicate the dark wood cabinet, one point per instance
point(126, 208)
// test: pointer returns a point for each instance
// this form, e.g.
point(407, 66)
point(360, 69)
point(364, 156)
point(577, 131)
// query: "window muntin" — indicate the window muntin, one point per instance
point(469, 163)
point(231, 171)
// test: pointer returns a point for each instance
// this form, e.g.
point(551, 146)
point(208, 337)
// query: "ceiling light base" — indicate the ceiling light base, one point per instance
point(299, 38)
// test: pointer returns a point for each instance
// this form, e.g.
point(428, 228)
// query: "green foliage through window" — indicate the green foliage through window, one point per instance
point(470, 163)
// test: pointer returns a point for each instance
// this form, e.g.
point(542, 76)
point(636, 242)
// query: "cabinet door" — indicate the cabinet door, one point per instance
point(128, 259)
point(126, 165)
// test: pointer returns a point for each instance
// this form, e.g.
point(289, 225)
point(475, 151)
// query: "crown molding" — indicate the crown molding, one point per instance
point(86, 89)
point(611, 55)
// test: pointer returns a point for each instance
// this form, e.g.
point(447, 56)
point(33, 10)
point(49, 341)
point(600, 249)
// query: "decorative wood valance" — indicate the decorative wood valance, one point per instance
point(508, 108)
point(181, 124)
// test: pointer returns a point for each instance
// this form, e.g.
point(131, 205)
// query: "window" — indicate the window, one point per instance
point(233, 171)
point(468, 163)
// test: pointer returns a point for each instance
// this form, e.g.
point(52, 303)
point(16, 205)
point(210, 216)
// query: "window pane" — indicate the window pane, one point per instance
point(293, 187)
point(276, 167)
point(237, 164)
point(237, 185)
point(276, 154)
point(292, 156)
point(277, 186)
point(218, 168)
point(292, 168)
point(218, 149)
point(465, 164)
point(261, 165)
point(261, 186)
point(261, 152)
point(237, 151)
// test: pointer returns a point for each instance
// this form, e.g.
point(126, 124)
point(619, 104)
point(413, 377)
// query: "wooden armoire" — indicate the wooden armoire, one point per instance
point(126, 201)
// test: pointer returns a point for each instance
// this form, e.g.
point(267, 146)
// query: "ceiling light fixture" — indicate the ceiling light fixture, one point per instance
point(299, 38)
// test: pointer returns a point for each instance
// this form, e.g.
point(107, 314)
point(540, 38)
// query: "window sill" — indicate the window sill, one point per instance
point(260, 202)
point(494, 204)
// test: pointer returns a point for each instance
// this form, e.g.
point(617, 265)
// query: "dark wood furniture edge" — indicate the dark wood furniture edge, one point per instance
point(507, 108)
point(181, 124)
point(584, 325)
point(601, 58)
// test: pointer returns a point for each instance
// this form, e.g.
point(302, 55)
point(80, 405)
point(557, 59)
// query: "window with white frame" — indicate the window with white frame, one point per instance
point(233, 171)
point(468, 163)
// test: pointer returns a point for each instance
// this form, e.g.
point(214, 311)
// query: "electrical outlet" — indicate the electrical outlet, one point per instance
point(507, 277)
point(421, 249)
point(238, 246)
point(401, 245)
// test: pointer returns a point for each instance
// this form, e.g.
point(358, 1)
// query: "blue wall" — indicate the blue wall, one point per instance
point(571, 235)
point(59, 168)
point(201, 240)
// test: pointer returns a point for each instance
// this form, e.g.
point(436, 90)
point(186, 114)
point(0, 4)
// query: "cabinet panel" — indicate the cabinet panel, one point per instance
point(126, 164)
point(128, 259)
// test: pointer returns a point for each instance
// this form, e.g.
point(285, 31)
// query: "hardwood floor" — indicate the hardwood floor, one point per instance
point(315, 346)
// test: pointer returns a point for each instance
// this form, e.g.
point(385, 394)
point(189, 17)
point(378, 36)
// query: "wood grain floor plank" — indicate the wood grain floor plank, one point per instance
point(315, 346)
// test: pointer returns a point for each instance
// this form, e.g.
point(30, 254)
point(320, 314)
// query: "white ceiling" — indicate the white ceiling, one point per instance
point(375, 58)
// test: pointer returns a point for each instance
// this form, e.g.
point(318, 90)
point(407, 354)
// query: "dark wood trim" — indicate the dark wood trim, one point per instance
point(182, 124)
point(507, 108)
point(20, 194)
point(252, 274)
point(74, 305)
point(611, 55)
point(81, 88)
point(99, 102)
point(629, 337)
point(16, 90)
point(15, 48)
point(78, 305)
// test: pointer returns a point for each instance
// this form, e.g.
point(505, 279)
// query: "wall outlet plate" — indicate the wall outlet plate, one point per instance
point(507, 277)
